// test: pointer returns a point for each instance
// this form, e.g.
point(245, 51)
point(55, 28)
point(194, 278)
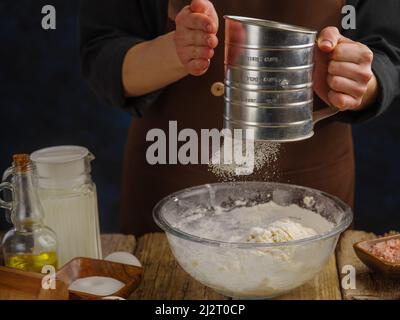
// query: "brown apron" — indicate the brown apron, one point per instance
point(324, 162)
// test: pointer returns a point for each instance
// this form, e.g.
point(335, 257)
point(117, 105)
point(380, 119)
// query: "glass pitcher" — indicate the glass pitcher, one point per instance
point(69, 199)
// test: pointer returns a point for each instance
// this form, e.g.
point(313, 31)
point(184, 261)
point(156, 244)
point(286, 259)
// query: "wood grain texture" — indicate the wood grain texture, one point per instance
point(15, 284)
point(20, 285)
point(370, 285)
point(163, 278)
point(2, 233)
point(323, 287)
point(111, 243)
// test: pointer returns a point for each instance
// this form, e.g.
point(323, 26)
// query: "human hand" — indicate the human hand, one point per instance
point(343, 74)
point(195, 36)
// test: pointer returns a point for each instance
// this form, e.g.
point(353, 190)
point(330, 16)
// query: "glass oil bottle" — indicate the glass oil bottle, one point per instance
point(30, 245)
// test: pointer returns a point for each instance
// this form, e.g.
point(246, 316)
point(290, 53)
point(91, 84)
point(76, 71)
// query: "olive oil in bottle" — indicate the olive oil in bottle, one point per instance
point(30, 245)
point(32, 262)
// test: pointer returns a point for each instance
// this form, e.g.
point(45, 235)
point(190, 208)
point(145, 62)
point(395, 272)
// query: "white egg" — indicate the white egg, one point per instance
point(124, 258)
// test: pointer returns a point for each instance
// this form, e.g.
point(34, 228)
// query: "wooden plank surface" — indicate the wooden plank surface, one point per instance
point(369, 285)
point(117, 242)
point(323, 287)
point(164, 279)
point(1, 249)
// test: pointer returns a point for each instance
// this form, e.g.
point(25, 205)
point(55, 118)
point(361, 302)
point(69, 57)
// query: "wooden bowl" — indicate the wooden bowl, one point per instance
point(362, 249)
point(21, 285)
point(84, 267)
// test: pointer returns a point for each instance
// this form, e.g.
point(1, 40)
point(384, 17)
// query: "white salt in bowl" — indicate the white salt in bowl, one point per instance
point(246, 270)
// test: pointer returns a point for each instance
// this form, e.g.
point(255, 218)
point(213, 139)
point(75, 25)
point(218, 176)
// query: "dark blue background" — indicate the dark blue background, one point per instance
point(44, 102)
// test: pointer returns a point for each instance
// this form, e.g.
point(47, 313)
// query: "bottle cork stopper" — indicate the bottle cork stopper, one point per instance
point(21, 162)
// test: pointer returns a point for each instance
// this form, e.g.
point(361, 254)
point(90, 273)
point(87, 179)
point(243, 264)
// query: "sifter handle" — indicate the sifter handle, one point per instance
point(324, 114)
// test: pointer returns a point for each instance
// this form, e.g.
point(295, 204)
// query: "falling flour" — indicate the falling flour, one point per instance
point(264, 161)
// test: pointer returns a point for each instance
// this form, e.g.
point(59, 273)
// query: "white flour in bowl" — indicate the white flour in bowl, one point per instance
point(284, 230)
point(259, 271)
point(239, 224)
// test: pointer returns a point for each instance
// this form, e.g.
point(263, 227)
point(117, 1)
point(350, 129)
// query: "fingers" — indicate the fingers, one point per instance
point(197, 38)
point(212, 13)
point(195, 35)
point(347, 86)
point(200, 6)
point(328, 39)
point(343, 101)
point(198, 67)
point(194, 52)
point(207, 8)
point(195, 21)
point(204, 6)
point(354, 52)
point(350, 70)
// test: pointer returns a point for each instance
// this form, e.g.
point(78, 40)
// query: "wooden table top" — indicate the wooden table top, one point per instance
point(165, 279)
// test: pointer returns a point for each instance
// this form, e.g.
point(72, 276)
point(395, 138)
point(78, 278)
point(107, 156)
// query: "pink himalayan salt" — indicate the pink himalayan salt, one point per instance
point(387, 250)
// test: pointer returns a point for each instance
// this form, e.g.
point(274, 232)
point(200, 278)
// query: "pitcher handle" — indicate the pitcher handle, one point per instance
point(8, 206)
point(4, 204)
point(324, 114)
point(8, 173)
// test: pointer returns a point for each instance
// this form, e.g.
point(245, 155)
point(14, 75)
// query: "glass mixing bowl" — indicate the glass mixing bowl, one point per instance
point(246, 270)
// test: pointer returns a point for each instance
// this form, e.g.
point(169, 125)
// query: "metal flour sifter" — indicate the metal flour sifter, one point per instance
point(269, 78)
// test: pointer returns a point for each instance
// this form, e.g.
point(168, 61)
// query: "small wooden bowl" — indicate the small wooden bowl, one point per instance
point(21, 285)
point(84, 267)
point(388, 269)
